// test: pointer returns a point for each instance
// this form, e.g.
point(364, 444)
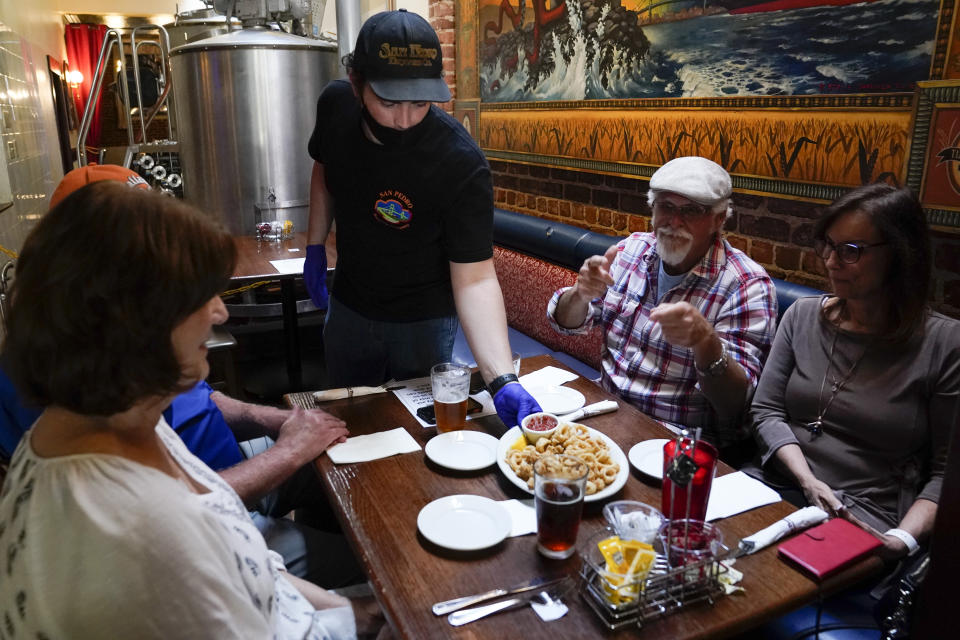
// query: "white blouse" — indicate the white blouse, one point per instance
point(98, 546)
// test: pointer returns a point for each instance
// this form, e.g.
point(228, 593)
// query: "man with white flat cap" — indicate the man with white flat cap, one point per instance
point(688, 320)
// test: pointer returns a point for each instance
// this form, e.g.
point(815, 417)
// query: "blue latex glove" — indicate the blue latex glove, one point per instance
point(513, 404)
point(315, 274)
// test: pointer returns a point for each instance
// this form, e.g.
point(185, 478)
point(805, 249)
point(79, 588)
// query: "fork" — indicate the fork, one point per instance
point(547, 596)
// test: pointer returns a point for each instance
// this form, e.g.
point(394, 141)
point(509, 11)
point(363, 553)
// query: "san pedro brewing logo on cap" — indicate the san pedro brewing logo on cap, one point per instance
point(399, 54)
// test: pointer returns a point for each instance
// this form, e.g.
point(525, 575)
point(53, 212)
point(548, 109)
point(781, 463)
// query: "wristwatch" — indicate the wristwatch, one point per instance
point(716, 368)
point(500, 382)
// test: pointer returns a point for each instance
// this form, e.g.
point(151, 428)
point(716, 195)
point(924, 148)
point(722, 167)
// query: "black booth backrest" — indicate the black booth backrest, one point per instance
point(555, 242)
point(568, 246)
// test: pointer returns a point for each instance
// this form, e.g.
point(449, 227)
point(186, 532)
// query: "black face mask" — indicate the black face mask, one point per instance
point(389, 136)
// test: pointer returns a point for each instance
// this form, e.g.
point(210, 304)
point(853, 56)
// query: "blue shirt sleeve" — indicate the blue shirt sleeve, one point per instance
point(15, 418)
point(200, 424)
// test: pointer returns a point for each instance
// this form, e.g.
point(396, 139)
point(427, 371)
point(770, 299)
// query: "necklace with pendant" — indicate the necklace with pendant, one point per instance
point(816, 427)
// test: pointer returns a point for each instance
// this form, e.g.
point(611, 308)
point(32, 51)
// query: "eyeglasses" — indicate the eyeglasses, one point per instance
point(690, 211)
point(847, 252)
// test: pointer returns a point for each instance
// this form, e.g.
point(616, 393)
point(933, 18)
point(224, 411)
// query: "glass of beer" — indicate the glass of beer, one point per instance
point(451, 386)
point(559, 485)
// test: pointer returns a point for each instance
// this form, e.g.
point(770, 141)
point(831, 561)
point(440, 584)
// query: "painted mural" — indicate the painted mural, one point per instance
point(546, 50)
point(829, 148)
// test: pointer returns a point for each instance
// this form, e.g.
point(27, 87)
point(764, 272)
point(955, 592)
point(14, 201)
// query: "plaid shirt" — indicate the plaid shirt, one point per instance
point(732, 292)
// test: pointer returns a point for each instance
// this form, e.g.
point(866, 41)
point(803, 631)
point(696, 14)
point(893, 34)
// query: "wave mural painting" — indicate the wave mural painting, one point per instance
point(542, 50)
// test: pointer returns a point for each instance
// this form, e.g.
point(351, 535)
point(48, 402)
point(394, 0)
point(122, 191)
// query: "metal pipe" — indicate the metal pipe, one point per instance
point(137, 85)
point(348, 26)
point(111, 36)
point(164, 45)
point(125, 89)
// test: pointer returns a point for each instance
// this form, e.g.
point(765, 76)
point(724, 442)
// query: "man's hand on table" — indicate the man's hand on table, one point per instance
point(513, 404)
point(308, 433)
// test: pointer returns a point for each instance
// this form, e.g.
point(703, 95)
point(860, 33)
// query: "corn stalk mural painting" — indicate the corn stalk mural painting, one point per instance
point(797, 98)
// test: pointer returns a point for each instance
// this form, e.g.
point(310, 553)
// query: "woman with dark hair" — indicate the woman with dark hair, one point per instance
point(862, 387)
point(110, 527)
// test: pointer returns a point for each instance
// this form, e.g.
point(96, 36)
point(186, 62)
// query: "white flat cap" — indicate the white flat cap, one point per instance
point(695, 178)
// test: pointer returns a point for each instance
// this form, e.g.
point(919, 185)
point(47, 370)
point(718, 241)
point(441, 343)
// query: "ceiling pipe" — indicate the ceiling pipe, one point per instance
point(348, 26)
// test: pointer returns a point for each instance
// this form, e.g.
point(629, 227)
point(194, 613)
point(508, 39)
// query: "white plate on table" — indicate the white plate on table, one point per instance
point(511, 436)
point(462, 450)
point(557, 400)
point(647, 457)
point(464, 522)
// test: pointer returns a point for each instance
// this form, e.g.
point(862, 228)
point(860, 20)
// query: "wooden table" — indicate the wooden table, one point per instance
point(253, 264)
point(378, 502)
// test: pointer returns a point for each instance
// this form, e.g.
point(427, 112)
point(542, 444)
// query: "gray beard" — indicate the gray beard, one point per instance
point(672, 250)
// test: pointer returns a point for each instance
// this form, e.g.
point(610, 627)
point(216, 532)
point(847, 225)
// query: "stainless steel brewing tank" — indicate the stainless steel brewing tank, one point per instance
point(246, 105)
point(189, 29)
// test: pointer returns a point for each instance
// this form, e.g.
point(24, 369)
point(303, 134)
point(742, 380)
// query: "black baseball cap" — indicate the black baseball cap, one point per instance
point(399, 54)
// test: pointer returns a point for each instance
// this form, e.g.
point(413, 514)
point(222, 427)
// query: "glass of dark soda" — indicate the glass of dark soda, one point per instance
point(559, 485)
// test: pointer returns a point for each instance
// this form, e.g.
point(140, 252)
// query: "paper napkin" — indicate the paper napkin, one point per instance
point(290, 265)
point(523, 516)
point(547, 377)
point(737, 492)
point(373, 446)
point(551, 611)
point(794, 522)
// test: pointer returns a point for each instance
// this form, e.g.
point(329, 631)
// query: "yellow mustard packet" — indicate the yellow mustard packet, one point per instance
point(627, 565)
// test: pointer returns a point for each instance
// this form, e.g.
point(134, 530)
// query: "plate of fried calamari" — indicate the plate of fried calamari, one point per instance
point(608, 464)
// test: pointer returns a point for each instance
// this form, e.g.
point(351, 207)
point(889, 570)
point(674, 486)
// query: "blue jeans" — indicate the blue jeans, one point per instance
point(364, 352)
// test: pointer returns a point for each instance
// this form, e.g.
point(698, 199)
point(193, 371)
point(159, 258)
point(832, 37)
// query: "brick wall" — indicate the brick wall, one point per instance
point(776, 233)
point(443, 20)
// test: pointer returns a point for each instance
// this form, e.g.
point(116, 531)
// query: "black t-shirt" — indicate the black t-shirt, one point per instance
point(403, 212)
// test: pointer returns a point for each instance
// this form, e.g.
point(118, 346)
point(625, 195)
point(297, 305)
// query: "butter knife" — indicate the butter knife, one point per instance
point(595, 409)
point(448, 606)
point(350, 392)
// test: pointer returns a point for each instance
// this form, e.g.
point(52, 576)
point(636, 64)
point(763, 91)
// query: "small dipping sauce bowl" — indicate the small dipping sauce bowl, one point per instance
point(634, 520)
point(539, 425)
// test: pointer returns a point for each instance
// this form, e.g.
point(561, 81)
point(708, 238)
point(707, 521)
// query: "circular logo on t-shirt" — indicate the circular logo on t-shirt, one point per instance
point(393, 212)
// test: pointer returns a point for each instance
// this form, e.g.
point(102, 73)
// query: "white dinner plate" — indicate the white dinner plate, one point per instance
point(557, 400)
point(511, 436)
point(647, 457)
point(462, 450)
point(464, 522)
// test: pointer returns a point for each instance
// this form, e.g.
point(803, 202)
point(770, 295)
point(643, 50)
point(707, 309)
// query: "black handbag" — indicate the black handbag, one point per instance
point(894, 611)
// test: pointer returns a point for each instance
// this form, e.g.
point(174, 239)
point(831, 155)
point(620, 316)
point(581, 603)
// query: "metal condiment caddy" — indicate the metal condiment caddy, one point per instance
point(620, 599)
point(661, 592)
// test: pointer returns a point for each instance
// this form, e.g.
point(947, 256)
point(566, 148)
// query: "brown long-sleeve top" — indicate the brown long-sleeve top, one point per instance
point(885, 434)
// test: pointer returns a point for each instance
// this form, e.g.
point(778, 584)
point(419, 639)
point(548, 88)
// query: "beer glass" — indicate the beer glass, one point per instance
point(559, 485)
point(451, 386)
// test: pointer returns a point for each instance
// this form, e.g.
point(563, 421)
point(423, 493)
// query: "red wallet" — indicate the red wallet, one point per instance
point(829, 547)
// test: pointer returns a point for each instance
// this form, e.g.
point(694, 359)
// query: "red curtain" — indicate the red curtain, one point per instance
point(83, 51)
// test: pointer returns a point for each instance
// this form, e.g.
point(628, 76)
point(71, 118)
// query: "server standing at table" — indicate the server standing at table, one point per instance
point(412, 197)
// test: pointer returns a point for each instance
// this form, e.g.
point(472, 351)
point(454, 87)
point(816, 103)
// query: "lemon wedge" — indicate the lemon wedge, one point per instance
point(519, 444)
